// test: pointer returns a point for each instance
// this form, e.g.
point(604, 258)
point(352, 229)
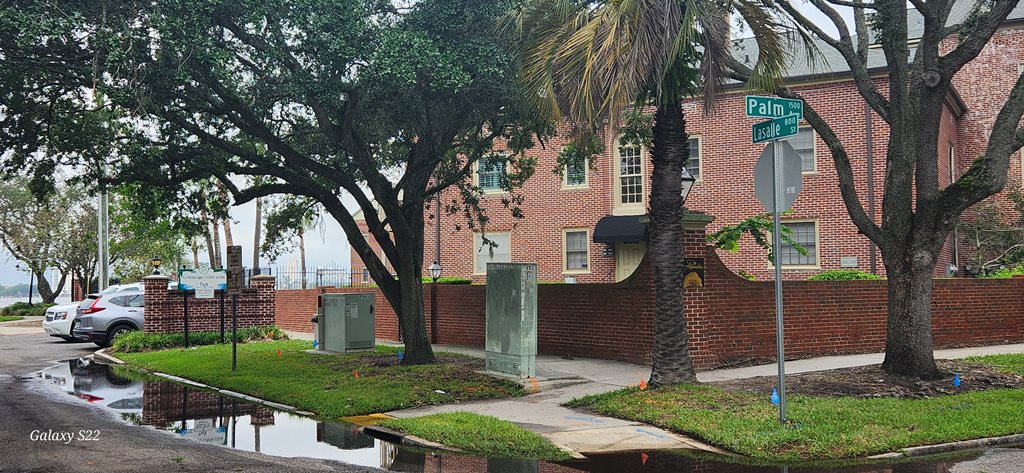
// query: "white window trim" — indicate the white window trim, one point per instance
point(476, 249)
point(817, 247)
point(814, 149)
point(700, 151)
point(637, 208)
point(476, 175)
point(565, 251)
point(572, 187)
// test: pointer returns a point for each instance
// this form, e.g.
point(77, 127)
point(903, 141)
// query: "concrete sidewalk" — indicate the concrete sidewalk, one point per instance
point(30, 325)
point(562, 380)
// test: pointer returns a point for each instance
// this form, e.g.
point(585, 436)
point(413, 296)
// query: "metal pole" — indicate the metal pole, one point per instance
point(222, 316)
point(433, 312)
point(776, 247)
point(31, 279)
point(185, 306)
point(234, 332)
point(102, 237)
point(437, 229)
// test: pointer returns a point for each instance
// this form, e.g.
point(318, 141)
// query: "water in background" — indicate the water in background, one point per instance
point(10, 300)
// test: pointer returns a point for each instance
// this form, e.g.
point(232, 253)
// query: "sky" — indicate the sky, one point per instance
point(326, 245)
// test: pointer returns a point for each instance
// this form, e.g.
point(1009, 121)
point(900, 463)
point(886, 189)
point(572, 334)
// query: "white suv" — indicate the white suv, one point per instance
point(61, 320)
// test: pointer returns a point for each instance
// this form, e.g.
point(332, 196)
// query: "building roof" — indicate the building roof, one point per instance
point(830, 63)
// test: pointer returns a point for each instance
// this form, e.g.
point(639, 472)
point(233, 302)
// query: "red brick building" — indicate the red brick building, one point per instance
point(565, 229)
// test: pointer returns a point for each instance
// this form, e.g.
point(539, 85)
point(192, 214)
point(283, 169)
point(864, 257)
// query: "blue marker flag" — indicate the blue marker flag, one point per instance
point(315, 344)
point(956, 380)
point(775, 396)
point(400, 355)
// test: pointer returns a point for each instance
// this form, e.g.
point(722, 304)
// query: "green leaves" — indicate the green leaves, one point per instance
point(759, 227)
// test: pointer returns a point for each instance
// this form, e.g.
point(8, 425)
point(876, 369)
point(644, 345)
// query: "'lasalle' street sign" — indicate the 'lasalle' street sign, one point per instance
point(776, 128)
point(772, 107)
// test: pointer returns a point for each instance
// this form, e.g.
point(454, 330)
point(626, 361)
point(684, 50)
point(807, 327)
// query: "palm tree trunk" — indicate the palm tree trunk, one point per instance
point(671, 361)
point(195, 254)
point(256, 237)
point(228, 241)
point(216, 245)
point(302, 255)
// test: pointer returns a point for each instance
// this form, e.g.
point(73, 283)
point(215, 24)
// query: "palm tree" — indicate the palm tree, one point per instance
point(587, 61)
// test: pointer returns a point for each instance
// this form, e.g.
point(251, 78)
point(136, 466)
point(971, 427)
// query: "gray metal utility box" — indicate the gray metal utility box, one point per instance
point(511, 320)
point(345, 322)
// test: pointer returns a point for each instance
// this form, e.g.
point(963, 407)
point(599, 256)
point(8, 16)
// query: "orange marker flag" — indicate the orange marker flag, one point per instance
point(355, 373)
point(533, 385)
point(643, 384)
point(643, 458)
point(279, 353)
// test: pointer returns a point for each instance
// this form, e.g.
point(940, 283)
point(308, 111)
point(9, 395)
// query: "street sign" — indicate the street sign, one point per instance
point(792, 176)
point(203, 279)
point(773, 107)
point(776, 128)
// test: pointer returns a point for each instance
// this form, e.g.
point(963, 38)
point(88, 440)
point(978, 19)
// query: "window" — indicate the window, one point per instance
point(630, 185)
point(486, 253)
point(693, 165)
point(803, 143)
point(137, 301)
point(489, 171)
point(366, 274)
point(576, 174)
point(577, 251)
point(806, 234)
point(119, 301)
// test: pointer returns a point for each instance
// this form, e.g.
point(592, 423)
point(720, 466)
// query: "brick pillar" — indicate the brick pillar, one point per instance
point(156, 301)
point(266, 295)
point(695, 299)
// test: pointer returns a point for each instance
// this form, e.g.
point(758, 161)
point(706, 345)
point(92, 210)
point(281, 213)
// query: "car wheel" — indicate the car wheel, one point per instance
point(116, 332)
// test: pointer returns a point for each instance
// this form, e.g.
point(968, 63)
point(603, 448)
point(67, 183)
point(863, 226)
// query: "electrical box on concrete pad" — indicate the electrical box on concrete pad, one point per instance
point(346, 322)
point(511, 346)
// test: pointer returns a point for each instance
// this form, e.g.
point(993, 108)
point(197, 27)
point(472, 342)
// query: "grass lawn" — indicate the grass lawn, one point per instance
point(327, 384)
point(480, 434)
point(1013, 364)
point(10, 318)
point(823, 427)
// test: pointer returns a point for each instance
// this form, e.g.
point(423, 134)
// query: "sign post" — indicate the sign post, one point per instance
point(785, 117)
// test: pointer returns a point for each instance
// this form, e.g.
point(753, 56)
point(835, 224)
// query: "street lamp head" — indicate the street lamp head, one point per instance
point(688, 181)
point(156, 264)
point(435, 270)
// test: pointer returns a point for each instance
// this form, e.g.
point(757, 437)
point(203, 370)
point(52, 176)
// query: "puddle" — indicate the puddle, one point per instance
point(208, 417)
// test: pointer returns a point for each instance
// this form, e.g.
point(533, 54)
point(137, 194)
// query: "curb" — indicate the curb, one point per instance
point(951, 446)
point(393, 436)
point(106, 356)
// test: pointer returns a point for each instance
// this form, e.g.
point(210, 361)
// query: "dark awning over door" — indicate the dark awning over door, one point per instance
point(621, 228)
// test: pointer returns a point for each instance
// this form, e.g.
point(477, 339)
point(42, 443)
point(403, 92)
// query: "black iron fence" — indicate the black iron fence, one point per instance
point(333, 277)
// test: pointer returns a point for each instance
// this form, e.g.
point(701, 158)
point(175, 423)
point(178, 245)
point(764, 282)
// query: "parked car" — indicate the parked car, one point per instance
point(106, 315)
point(61, 320)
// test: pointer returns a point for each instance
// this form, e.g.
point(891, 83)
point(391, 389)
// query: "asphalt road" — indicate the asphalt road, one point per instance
point(26, 406)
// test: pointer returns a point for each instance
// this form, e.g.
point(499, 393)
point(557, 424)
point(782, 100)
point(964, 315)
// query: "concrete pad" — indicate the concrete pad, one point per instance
point(15, 331)
point(625, 438)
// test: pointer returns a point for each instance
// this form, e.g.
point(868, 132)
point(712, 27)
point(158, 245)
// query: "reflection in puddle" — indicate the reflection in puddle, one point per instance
point(208, 417)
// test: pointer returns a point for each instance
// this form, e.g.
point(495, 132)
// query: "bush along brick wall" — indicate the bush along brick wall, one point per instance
point(165, 308)
point(730, 320)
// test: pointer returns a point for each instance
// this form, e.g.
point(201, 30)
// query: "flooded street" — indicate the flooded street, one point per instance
point(210, 418)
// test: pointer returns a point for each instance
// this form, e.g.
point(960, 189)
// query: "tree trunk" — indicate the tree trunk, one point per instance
point(228, 241)
point(409, 298)
point(302, 255)
point(195, 254)
point(43, 288)
point(908, 342)
point(256, 237)
point(218, 255)
point(671, 361)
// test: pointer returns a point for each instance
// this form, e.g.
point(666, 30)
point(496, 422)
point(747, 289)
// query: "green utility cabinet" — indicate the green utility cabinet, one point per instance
point(345, 322)
point(511, 345)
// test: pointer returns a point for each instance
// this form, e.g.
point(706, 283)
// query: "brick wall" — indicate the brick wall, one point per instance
point(165, 308)
point(730, 320)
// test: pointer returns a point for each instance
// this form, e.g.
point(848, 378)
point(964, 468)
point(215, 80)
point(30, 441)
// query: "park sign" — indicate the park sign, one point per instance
point(203, 280)
point(772, 107)
point(776, 128)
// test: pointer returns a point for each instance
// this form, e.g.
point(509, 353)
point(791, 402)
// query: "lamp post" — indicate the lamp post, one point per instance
point(435, 273)
point(156, 261)
point(30, 281)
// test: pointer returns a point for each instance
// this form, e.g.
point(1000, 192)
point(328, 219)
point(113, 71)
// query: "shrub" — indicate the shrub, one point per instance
point(138, 341)
point(1006, 273)
point(449, 280)
point(745, 275)
point(24, 309)
point(844, 275)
